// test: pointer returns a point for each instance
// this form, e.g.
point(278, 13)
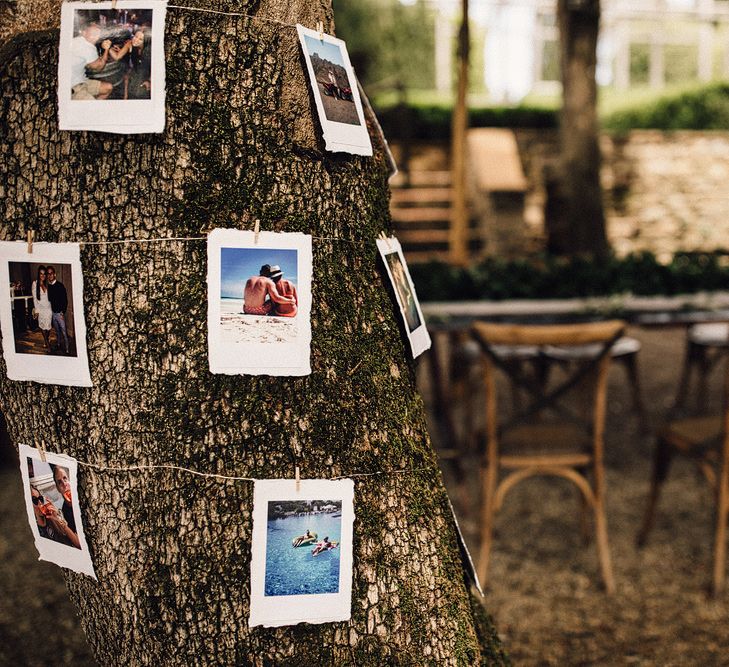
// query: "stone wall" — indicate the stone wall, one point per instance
point(664, 191)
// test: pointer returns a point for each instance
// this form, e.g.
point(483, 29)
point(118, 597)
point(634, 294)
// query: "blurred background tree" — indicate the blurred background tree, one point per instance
point(389, 42)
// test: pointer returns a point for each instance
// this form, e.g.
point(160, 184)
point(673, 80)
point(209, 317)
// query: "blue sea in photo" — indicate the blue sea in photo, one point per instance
point(294, 571)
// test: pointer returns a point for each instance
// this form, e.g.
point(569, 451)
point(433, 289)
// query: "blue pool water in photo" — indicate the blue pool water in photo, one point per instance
point(294, 571)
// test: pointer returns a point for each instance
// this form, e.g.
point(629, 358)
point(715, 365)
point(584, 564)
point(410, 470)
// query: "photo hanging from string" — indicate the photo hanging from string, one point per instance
point(111, 66)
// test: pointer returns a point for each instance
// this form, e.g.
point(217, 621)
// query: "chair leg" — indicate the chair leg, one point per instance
point(630, 362)
point(487, 521)
point(661, 464)
point(722, 512)
point(603, 548)
point(692, 357)
point(585, 532)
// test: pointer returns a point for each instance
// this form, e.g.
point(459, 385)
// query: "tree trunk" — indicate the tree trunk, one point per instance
point(172, 551)
point(458, 237)
point(576, 221)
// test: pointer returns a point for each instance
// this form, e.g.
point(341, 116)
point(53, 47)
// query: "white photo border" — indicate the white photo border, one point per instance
point(419, 338)
point(46, 369)
point(276, 359)
point(115, 116)
point(78, 560)
point(275, 611)
point(338, 137)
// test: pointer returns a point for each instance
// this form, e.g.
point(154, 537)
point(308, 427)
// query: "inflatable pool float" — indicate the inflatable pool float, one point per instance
point(303, 540)
point(320, 548)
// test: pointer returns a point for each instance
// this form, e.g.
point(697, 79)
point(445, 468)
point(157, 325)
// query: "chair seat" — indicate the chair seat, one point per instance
point(516, 351)
point(710, 334)
point(623, 346)
point(687, 434)
point(545, 444)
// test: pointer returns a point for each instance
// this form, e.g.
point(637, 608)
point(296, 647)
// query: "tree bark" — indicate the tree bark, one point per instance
point(172, 552)
point(576, 220)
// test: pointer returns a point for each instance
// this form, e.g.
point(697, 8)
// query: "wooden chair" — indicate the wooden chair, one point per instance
point(706, 344)
point(529, 443)
point(705, 439)
point(625, 351)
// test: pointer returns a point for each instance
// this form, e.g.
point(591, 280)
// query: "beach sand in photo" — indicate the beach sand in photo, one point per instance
point(236, 327)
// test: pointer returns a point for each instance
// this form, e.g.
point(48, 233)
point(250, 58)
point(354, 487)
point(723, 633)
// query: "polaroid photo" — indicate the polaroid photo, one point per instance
point(402, 283)
point(335, 92)
point(42, 313)
point(51, 493)
point(111, 66)
point(301, 565)
point(259, 303)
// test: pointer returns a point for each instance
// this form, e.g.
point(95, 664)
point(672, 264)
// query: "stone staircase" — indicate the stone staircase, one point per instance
point(421, 213)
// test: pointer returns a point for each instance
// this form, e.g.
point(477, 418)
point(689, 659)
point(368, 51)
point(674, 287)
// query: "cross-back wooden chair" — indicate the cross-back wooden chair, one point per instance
point(529, 442)
point(705, 439)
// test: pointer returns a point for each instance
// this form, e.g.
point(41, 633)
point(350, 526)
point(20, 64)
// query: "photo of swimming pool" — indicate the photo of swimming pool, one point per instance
point(294, 570)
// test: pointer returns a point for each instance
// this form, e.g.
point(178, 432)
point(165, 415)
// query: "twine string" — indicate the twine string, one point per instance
point(234, 478)
point(253, 17)
point(167, 239)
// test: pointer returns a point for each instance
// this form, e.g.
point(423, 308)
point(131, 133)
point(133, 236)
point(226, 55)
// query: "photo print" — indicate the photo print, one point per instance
point(259, 303)
point(402, 283)
point(50, 489)
point(336, 93)
point(301, 565)
point(111, 68)
point(42, 315)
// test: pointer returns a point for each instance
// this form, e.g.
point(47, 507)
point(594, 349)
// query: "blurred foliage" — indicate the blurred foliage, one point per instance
point(388, 41)
point(705, 108)
point(548, 277)
point(433, 122)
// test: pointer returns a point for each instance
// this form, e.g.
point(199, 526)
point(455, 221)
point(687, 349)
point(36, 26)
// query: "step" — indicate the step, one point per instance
point(422, 214)
point(422, 256)
point(424, 236)
point(421, 195)
point(422, 178)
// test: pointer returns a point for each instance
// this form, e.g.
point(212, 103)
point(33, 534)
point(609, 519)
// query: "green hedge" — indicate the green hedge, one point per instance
point(558, 278)
point(434, 122)
point(705, 108)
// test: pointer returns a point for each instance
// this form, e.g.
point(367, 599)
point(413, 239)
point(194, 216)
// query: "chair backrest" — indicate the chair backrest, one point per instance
point(545, 396)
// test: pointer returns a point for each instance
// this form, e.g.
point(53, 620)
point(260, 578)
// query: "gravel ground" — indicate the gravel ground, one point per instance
point(544, 589)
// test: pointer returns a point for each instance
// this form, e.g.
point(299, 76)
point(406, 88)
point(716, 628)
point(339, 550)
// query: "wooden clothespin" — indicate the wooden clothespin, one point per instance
point(42, 452)
point(297, 477)
point(30, 235)
point(320, 30)
point(256, 232)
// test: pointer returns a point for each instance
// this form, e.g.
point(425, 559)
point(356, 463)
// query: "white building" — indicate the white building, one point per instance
point(642, 42)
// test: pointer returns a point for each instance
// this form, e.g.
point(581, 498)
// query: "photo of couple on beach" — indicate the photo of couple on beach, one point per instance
point(301, 565)
point(259, 300)
point(50, 489)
